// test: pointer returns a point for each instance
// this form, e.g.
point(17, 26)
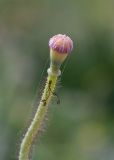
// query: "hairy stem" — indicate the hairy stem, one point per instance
point(38, 119)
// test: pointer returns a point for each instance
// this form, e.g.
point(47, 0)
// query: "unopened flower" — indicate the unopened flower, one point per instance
point(61, 44)
point(60, 47)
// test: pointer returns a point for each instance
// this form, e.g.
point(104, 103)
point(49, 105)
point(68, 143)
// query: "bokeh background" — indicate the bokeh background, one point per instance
point(82, 126)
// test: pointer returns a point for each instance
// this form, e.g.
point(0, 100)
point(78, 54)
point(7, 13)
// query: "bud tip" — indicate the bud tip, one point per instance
point(61, 44)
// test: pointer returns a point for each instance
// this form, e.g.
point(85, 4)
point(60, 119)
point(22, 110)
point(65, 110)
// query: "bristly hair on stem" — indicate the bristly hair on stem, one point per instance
point(60, 46)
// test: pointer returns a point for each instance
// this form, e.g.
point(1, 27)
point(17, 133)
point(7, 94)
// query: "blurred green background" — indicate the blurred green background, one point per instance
point(82, 126)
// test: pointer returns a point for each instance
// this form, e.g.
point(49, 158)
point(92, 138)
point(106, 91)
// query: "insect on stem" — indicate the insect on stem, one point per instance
point(51, 92)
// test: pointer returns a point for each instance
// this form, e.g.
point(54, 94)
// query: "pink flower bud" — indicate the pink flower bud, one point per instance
point(61, 44)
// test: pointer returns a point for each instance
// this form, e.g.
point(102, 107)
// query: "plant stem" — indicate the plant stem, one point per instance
point(38, 119)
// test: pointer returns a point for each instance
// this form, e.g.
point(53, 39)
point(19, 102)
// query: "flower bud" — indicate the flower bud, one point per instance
point(60, 46)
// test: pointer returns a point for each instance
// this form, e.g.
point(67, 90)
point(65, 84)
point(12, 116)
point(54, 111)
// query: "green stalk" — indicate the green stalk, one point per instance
point(39, 117)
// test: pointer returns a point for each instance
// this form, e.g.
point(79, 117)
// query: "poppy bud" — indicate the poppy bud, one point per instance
point(60, 46)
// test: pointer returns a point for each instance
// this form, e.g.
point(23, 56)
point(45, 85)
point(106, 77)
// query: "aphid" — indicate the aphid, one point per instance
point(50, 92)
point(53, 93)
